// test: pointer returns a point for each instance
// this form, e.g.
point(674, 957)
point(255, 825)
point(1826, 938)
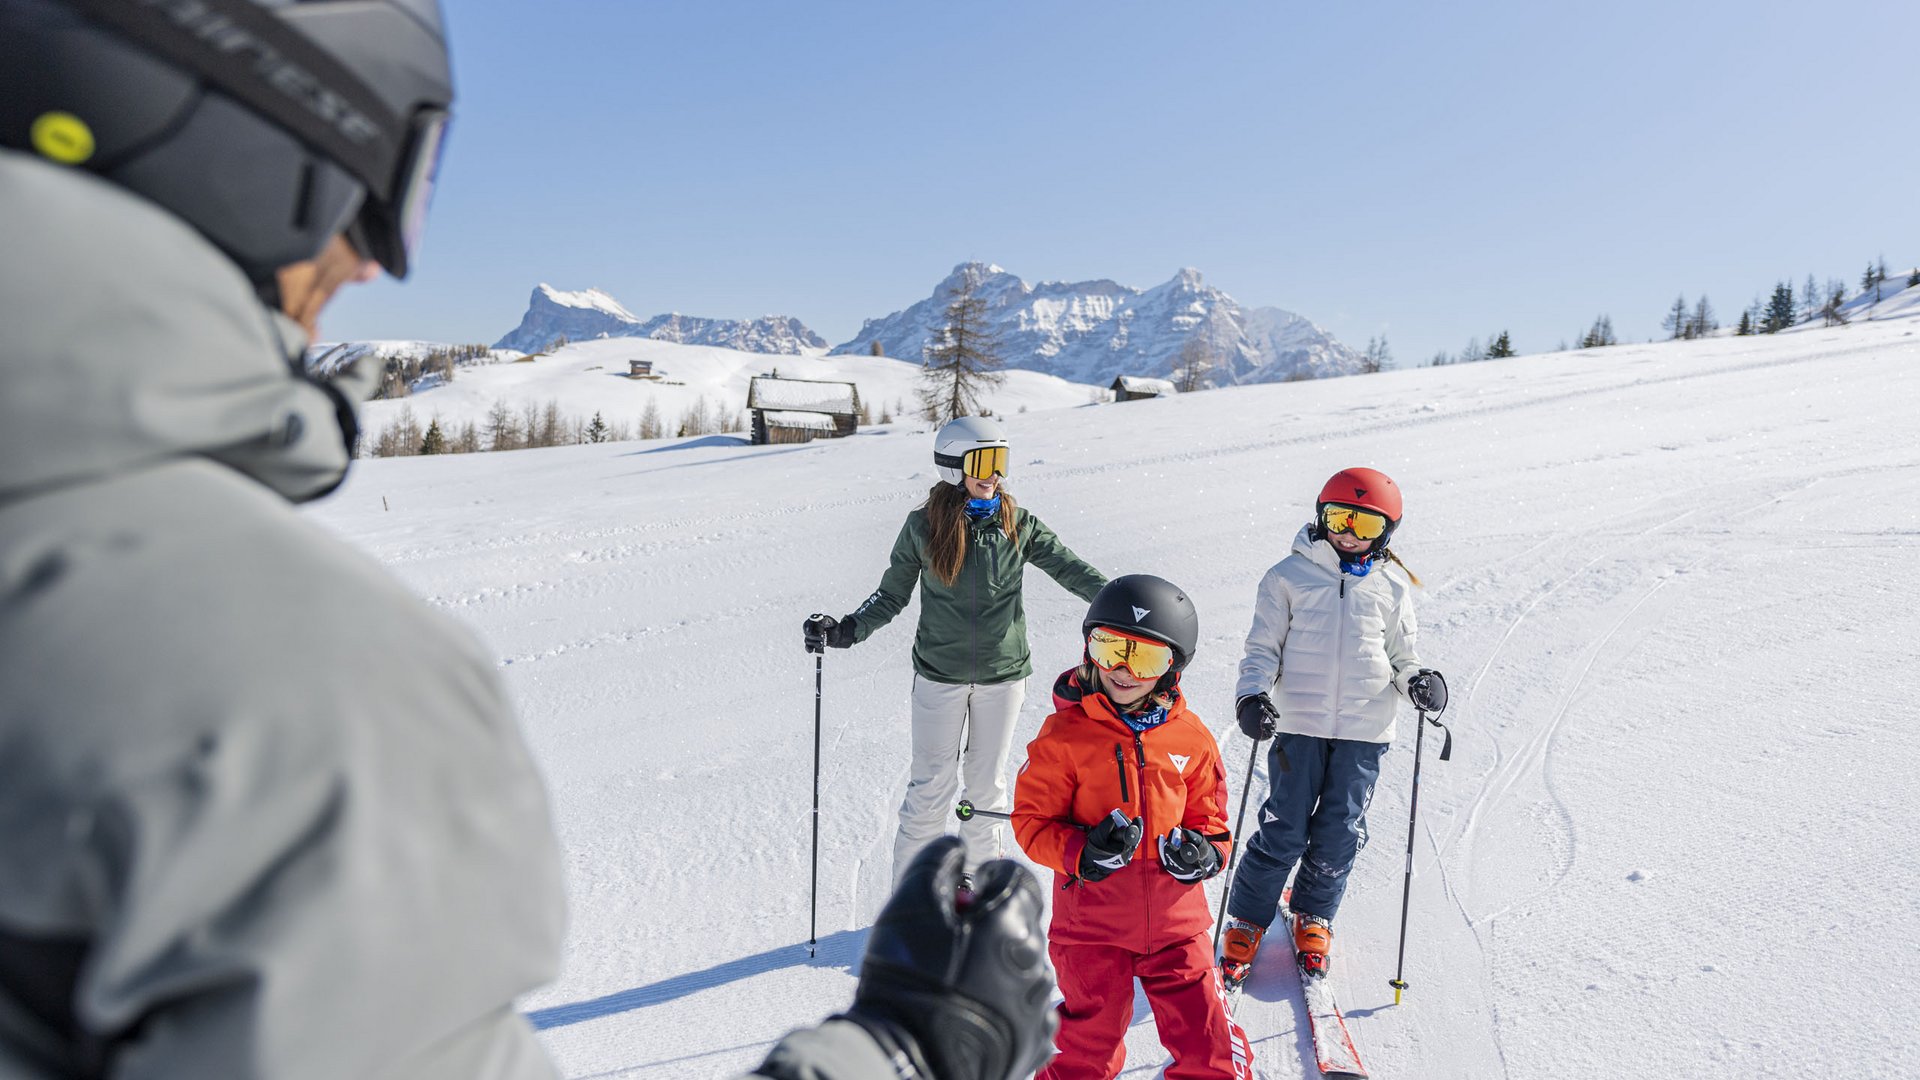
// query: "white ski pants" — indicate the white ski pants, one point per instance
point(962, 734)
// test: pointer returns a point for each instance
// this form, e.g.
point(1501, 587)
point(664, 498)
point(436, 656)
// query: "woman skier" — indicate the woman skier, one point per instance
point(967, 546)
point(1333, 625)
point(1122, 761)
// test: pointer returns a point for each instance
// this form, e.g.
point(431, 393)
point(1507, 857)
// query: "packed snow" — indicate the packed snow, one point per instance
point(1672, 587)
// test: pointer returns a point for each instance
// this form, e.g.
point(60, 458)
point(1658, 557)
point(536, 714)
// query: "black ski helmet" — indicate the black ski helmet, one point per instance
point(270, 126)
point(1148, 607)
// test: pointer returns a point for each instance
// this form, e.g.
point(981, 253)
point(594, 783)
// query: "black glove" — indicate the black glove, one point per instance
point(1188, 856)
point(1110, 845)
point(1427, 690)
point(1256, 714)
point(960, 986)
point(821, 631)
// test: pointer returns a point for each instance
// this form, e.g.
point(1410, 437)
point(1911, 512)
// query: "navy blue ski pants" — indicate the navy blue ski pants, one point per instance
point(1316, 816)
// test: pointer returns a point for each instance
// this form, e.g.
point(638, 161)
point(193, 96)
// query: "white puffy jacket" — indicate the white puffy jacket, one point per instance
point(1339, 645)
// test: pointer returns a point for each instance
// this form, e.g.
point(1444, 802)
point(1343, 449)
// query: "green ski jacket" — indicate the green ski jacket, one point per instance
point(975, 630)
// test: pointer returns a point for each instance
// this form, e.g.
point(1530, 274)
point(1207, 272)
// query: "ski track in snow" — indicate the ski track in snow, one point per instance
point(1644, 603)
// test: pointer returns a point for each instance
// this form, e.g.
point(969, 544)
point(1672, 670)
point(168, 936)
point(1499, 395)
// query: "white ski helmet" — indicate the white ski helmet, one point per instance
point(960, 437)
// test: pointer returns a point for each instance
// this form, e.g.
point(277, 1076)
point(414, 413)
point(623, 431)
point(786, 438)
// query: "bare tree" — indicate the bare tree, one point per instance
point(1702, 322)
point(964, 360)
point(651, 426)
point(503, 431)
point(1195, 364)
point(1810, 300)
point(1675, 324)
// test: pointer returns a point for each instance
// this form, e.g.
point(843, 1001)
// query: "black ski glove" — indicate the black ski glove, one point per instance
point(1427, 690)
point(1188, 856)
point(1256, 714)
point(960, 987)
point(1110, 845)
point(822, 631)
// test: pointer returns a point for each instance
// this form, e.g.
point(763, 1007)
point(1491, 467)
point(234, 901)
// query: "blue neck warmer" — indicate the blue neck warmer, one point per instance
point(982, 509)
point(1146, 721)
point(1357, 569)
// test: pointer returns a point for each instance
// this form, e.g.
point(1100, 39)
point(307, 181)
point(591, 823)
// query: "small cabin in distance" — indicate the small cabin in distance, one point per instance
point(787, 410)
point(1137, 387)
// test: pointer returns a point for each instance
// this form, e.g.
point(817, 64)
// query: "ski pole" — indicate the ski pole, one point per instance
point(813, 901)
point(1240, 819)
point(1399, 982)
point(966, 811)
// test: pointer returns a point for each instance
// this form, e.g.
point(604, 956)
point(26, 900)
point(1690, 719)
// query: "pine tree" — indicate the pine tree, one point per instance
point(433, 442)
point(1745, 329)
point(597, 430)
point(1831, 314)
point(1675, 324)
point(1502, 347)
point(1600, 335)
point(1913, 278)
point(964, 360)
point(1779, 310)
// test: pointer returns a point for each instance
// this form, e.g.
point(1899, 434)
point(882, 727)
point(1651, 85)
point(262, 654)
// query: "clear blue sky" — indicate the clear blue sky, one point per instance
point(1431, 172)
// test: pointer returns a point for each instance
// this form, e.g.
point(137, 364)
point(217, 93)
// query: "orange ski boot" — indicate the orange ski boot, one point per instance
point(1312, 943)
point(1238, 946)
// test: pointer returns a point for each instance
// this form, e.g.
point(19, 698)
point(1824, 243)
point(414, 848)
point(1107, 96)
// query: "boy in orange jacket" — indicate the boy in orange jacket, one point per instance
point(1124, 797)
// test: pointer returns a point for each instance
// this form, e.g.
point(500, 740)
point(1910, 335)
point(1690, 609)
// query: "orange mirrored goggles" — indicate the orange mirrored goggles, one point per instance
point(1365, 524)
point(1146, 658)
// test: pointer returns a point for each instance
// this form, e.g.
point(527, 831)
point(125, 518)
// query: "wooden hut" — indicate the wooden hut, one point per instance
point(1135, 387)
point(787, 410)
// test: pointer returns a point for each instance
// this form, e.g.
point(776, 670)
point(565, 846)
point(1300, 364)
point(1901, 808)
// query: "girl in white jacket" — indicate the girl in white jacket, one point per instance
point(1333, 626)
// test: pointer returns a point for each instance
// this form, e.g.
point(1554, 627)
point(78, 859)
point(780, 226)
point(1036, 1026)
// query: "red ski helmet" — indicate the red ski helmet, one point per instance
point(1367, 489)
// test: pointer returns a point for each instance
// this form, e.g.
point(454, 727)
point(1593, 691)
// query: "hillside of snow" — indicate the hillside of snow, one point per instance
point(1672, 587)
point(592, 376)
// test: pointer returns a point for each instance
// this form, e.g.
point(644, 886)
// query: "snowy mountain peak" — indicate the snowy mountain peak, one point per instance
point(1093, 331)
point(555, 316)
point(586, 299)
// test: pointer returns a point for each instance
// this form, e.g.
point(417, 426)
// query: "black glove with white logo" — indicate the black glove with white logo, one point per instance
point(1256, 715)
point(1110, 845)
point(1188, 856)
point(957, 985)
point(824, 631)
point(1427, 690)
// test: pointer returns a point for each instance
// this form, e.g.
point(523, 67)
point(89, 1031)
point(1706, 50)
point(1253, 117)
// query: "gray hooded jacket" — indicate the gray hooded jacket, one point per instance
point(262, 812)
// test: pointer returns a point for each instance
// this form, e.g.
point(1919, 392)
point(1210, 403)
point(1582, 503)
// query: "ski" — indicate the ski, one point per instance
point(1332, 1045)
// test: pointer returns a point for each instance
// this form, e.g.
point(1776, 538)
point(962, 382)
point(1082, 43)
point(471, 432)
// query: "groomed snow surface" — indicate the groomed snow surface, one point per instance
point(1672, 587)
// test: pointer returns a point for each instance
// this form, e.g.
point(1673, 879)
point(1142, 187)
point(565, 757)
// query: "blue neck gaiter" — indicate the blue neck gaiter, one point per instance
point(1357, 569)
point(1148, 720)
point(982, 509)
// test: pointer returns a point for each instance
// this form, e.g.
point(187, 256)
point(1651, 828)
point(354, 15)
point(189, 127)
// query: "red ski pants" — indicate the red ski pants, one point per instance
point(1189, 1009)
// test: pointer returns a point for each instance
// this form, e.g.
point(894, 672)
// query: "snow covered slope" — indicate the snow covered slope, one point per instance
point(1672, 587)
point(1092, 331)
point(554, 316)
point(591, 376)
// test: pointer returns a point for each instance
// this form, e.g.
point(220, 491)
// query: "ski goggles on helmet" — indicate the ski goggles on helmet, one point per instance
point(388, 230)
point(1365, 524)
point(1144, 657)
point(983, 463)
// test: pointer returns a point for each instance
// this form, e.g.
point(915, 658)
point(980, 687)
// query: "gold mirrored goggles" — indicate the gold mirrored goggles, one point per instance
point(1145, 658)
point(984, 463)
point(1365, 524)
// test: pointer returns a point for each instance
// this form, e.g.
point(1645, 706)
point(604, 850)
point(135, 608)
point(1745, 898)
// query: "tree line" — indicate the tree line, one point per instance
point(402, 372)
point(535, 425)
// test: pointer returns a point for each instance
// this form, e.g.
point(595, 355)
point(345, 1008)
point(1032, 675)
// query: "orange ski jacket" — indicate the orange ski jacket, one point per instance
point(1087, 762)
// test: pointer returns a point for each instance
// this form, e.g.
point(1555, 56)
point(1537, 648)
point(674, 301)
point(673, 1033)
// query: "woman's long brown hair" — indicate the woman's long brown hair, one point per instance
point(947, 528)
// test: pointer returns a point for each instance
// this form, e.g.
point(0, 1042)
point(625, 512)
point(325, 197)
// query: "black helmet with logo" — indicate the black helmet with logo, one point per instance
point(1149, 607)
point(268, 125)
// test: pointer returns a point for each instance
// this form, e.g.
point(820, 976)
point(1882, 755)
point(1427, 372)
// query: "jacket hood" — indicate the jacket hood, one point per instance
point(1319, 552)
point(127, 339)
